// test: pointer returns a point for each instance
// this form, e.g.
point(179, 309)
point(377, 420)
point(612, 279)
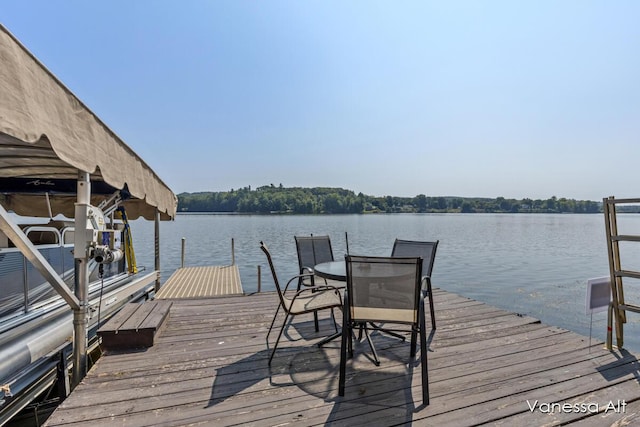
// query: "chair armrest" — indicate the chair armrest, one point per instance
point(319, 288)
point(298, 277)
point(313, 288)
point(316, 289)
point(306, 271)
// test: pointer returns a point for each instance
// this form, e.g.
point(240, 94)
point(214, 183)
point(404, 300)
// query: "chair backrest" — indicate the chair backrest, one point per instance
point(273, 273)
point(384, 288)
point(411, 248)
point(313, 250)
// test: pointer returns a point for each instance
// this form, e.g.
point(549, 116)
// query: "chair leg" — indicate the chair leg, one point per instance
point(284, 323)
point(346, 335)
point(350, 341)
point(380, 329)
point(273, 321)
point(333, 336)
point(315, 313)
point(425, 367)
point(414, 334)
point(376, 361)
point(315, 321)
point(335, 324)
point(423, 356)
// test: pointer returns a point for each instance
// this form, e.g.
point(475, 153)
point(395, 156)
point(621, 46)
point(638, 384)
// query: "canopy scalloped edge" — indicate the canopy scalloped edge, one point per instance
point(49, 120)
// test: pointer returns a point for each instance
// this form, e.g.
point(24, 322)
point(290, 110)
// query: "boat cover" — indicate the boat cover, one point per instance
point(47, 135)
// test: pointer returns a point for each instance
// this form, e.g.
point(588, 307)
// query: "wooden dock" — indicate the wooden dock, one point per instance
point(486, 366)
point(202, 282)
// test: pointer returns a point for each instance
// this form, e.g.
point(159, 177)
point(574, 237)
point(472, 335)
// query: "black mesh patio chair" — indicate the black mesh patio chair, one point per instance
point(388, 290)
point(312, 250)
point(426, 250)
point(306, 300)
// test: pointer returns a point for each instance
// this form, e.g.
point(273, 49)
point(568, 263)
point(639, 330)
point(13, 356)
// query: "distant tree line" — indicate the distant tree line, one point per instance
point(324, 200)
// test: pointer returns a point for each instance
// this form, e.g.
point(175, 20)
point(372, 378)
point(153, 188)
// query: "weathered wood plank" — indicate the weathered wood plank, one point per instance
point(136, 328)
point(137, 317)
point(209, 367)
point(119, 318)
point(156, 318)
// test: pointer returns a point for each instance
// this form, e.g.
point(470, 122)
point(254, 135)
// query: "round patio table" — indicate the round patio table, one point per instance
point(332, 270)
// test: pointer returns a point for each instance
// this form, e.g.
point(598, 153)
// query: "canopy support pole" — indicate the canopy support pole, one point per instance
point(157, 248)
point(80, 253)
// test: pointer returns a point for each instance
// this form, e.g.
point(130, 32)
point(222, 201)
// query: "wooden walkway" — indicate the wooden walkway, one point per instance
point(486, 366)
point(202, 282)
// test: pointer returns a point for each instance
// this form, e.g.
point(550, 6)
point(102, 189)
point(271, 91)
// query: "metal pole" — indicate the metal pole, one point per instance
point(233, 252)
point(346, 239)
point(183, 243)
point(80, 320)
point(259, 279)
point(157, 249)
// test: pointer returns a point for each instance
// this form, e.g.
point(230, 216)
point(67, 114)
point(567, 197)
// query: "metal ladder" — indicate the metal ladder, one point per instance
point(618, 308)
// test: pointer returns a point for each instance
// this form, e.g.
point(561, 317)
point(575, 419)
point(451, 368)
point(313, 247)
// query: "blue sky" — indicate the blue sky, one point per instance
point(449, 98)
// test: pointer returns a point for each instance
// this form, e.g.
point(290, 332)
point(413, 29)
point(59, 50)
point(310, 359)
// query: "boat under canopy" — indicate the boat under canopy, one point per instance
point(58, 158)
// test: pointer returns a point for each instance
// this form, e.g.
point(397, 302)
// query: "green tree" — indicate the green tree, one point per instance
point(442, 203)
point(467, 207)
point(551, 205)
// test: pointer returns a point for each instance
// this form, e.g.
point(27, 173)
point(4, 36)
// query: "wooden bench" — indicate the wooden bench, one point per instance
point(134, 326)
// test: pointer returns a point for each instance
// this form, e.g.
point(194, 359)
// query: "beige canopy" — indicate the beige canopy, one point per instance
point(47, 135)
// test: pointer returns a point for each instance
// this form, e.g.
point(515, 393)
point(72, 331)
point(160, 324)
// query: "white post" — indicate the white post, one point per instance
point(80, 253)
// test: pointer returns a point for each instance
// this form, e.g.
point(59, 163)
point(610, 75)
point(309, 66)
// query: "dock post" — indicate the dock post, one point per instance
point(62, 377)
point(259, 279)
point(182, 258)
point(233, 252)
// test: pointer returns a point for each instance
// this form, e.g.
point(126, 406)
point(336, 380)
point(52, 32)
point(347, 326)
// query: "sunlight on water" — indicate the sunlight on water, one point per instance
point(531, 264)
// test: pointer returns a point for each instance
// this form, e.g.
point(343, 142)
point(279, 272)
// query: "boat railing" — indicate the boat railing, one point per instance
point(68, 236)
point(42, 235)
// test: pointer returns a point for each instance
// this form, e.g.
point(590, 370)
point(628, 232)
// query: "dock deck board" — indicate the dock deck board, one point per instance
point(486, 366)
point(202, 282)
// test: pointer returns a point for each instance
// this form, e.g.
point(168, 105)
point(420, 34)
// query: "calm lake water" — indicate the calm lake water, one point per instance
point(534, 264)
